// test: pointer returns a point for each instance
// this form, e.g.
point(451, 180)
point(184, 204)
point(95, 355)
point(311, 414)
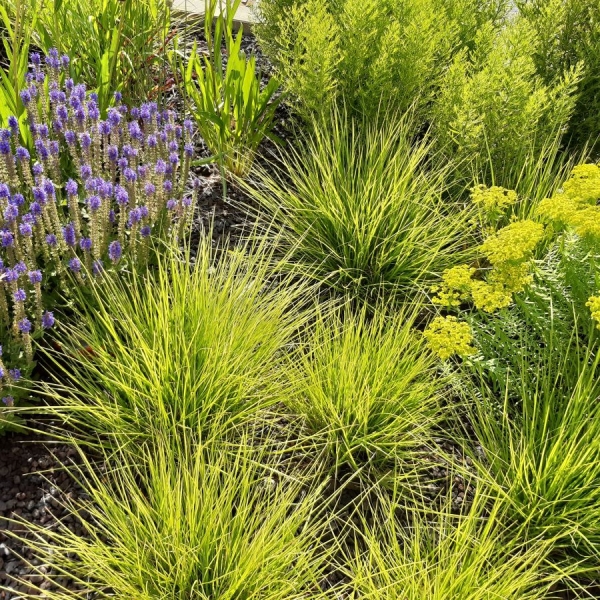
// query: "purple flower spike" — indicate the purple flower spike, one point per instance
point(135, 216)
point(94, 202)
point(51, 240)
point(15, 374)
point(115, 251)
point(11, 212)
point(85, 171)
point(20, 267)
point(118, 97)
point(149, 189)
point(69, 234)
point(97, 267)
point(48, 320)
point(24, 325)
point(13, 123)
point(25, 229)
point(7, 239)
point(8, 401)
point(130, 175)
point(22, 154)
point(145, 231)
point(75, 265)
point(85, 140)
point(85, 244)
point(188, 150)
point(71, 188)
point(171, 204)
point(113, 153)
point(70, 137)
point(121, 195)
point(35, 277)
point(4, 190)
point(25, 97)
point(17, 200)
point(35, 209)
point(20, 295)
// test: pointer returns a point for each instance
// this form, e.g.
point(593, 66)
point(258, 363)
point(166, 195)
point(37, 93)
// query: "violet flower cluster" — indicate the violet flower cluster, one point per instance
point(88, 192)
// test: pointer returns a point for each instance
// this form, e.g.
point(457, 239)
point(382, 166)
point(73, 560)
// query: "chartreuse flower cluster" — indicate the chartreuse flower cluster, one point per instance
point(90, 194)
point(576, 204)
point(508, 252)
point(507, 255)
point(448, 336)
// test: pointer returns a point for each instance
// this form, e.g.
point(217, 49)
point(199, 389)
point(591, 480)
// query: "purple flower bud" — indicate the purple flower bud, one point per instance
point(61, 112)
point(144, 211)
point(42, 130)
point(171, 204)
point(15, 374)
point(20, 267)
point(173, 146)
point(7, 239)
point(179, 132)
point(188, 126)
point(118, 97)
point(54, 96)
point(149, 189)
point(11, 212)
point(35, 277)
point(69, 85)
point(93, 111)
point(105, 189)
point(35, 209)
point(17, 200)
point(113, 153)
point(85, 139)
point(168, 186)
point(37, 169)
point(48, 320)
point(54, 148)
point(143, 171)
point(114, 117)
point(104, 127)
point(71, 188)
point(11, 275)
point(85, 171)
point(85, 244)
point(41, 149)
point(49, 188)
point(70, 137)
point(163, 137)
point(25, 325)
point(25, 97)
point(51, 240)
point(97, 267)
point(135, 216)
point(135, 131)
point(145, 231)
point(75, 102)
point(13, 123)
point(94, 97)
point(188, 150)
point(25, 229)
point(35, 59)
point(4, 190)
point(20, 295)
point(80, 114)
point(114, 251)
point(186, 201)
point(173, 158)
point(151, 141)
point(75, 265)
point(130, 175)
point(145, 113)
point(57, 126)
point(121, 195)
point(39, 195)
point(4, 148)
point(69, 234)
point(64, 61)
point(135, 113)
point(94, 202)
point(161, 167)
point(112, 217)
point(22, 154)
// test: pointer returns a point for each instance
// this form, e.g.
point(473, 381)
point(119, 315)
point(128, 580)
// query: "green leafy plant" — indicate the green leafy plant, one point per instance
point(115, 45)
point(16, 39)
point(361, 209)
point(233, 112)
point(365, 387)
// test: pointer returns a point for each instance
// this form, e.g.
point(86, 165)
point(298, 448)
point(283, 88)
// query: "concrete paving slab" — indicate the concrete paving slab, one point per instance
point(195, 8)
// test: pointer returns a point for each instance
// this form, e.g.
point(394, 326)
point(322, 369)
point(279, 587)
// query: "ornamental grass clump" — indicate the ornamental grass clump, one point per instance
point(89, 196)
point(365, 389)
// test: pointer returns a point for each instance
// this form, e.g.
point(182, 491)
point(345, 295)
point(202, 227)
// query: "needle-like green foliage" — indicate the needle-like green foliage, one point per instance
point(203, 526)
point(365, 387)
point(360, 208)
point(191, 347)
point(442, 556)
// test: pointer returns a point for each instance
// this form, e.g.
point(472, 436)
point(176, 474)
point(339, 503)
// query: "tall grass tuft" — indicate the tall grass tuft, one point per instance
point(435, 556)
point(541, 455)
point(179, 350)
point(365, 388)
point(195, 526)
point(360, 209)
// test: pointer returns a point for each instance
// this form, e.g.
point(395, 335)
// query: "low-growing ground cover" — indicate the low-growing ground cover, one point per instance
point(382, 385)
